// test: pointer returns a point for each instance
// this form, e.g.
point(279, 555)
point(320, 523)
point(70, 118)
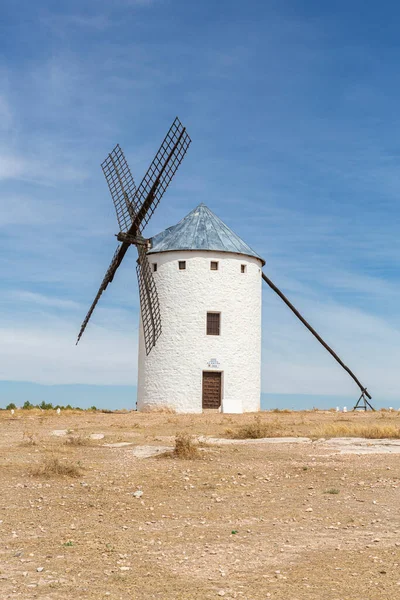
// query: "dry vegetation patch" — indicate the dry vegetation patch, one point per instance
point(186, 447)
point(370, 431)
point(258, 429)
point(77, 440)
point(53, 467)
point(29, 439)
point(252, 521)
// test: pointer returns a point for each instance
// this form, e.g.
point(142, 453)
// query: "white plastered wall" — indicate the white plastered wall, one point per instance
point(171, 375)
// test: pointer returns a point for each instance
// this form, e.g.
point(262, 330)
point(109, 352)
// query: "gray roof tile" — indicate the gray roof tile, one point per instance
point(200, 230)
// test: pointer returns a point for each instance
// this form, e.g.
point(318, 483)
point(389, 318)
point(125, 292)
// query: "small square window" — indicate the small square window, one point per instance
point(214, 265)
point(182, 265)
point(243, 268)
point(213, 323)
point(154, 267)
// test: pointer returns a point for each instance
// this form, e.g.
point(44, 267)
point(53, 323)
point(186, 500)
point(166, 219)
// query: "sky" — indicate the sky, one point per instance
point(293, 112)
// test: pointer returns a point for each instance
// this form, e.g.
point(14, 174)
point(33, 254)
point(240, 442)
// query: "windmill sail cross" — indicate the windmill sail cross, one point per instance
point(134, 208)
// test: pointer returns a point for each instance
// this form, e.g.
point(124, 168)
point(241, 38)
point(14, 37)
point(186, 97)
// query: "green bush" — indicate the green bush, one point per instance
point(10, 406)
point(46, 405)
point(27, 405)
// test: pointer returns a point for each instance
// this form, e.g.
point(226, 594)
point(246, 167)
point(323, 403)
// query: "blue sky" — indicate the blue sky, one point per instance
point(293, 112)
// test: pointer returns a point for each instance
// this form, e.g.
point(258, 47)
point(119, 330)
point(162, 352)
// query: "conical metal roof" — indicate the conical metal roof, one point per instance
point(200, 230)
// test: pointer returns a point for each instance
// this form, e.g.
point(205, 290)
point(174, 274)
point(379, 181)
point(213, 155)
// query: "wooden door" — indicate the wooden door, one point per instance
point(211, 389)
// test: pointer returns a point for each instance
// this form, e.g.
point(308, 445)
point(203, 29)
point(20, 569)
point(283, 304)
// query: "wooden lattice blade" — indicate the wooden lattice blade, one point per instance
point(108, 277)
point(122, 187)
point(149, 303)
point(160, 173)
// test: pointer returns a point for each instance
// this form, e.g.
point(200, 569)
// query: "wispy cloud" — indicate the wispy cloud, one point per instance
point(44, 301)
point(45, 170)
point(50, 355)
point(294, 362)
point(61, 24)
point(6, 118)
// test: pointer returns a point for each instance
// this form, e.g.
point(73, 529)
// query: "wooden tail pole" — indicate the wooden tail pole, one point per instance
point(319, 338)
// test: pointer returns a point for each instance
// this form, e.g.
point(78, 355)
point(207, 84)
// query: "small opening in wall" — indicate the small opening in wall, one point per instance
point(214, 265)
point(243, 268)
point(154, 267)
point(213, 323)
point(182, 265)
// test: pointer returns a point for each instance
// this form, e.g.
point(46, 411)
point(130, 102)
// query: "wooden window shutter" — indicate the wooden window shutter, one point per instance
point(213, 323)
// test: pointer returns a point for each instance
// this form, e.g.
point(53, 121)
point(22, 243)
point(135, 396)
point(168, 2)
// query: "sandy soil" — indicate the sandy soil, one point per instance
point(289, 520)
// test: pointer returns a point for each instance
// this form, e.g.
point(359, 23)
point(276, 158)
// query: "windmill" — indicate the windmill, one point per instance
point(134, 208)
point(199, 231)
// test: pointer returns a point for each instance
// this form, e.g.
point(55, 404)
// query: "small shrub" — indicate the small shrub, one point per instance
point(185, 447)
point(93, 408)
point(257, 430)
point(11, 406)
point(332, 491)
point(46, 405)
point(28, 439)
point(27, 405)
point(77, 440)
point(53, 467)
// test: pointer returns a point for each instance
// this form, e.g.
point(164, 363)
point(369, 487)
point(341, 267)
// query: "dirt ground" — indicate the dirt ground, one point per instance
point(289, 520)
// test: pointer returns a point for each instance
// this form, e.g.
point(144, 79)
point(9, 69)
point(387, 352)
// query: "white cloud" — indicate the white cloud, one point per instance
point(62, 23)
point(47, 354)
point(45, 301)
point(6, 118)
point(295, 362)
point(45, 170)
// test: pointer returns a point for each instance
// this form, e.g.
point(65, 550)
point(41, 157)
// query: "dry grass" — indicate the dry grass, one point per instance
point(52, 467)
point(162, 410)
point(372, 431)
point(28, 439)
point(228, 514)
point(185, 447)
point(258, 429)
point(77, 440)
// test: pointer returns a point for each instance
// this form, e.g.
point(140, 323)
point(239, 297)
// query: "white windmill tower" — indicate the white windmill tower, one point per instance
point(200, 285)
point(209, 288)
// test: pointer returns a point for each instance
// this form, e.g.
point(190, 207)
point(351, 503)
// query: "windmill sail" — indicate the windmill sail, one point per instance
point(108, 277)
point(161, 171)
point(134, 208)
point(149, 304)
point(122, 187)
